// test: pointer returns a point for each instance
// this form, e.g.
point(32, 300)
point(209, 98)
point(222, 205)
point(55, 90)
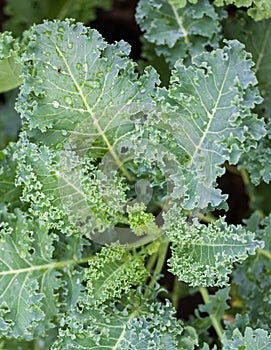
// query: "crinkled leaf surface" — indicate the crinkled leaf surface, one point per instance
point(211, 118)
point(31, 281)
point(250, 340)
point(178, 32)
point(139, 324)
point(203, 255)
point(9, 193)
point(257, 38)
point(74, 72)
point(78, 95)
point(113, 272)
point(253, 277)
point(28, 300)
point(258, 9)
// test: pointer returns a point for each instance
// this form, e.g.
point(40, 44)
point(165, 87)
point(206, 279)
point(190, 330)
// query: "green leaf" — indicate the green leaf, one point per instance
point(9, 192)
point(253, 278)
point(137, 324)
point(36, 175)
point(31, 281)
point(258, 9)
point(257, 38)
point(188, 339)
point(217, 305)
point(211, 118)
point(25, 248)
point(10, 66)
point(112, 272)
point(99, 79)
point(250, 340)
point(203, 255)
point(178, 32)
point(70, 197)
point(211, 313)
point(41, 343)
point(22, 15)
point(76, 124)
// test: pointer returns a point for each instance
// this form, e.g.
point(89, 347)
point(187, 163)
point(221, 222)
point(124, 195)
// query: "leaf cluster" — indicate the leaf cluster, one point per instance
point(113, 179)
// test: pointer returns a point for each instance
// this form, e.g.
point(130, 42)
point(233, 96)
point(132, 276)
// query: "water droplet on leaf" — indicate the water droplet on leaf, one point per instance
point(68, 100)
point(55, 104)
point(78, 66)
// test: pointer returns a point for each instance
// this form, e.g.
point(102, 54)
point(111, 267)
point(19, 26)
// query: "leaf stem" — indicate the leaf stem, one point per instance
point(161, 257)
point(265, 253)
point(151, 261)
point(180, 23)
point(215, 322)
point(247, 183)
point(175, 293)
point(53, 265)
point(209, 218)
point(250, 189)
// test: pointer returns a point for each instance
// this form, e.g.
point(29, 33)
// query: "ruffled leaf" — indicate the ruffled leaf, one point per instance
point(178, 32)
point(211, 118)
point(204, 255)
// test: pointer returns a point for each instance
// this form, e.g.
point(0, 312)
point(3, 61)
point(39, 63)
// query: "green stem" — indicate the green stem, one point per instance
point(209, 218)
point(175, 293)
point(215, 322)
point(250, 189)
point(151, 262)
point(50, 266)
point(161, 257)
point(247, 183)
point(265, 253)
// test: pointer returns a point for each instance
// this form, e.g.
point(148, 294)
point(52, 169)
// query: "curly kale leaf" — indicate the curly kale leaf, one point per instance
point(204, 255)
point(9, 192)
point(76, 84)
point(112, 272)
point(177, 31)
point(136, 323)
point(81, 111)
point(257, 38)
point(257, 9)
point(31, 281)
point(250, 340)
point(208, 110)
point(253, 277)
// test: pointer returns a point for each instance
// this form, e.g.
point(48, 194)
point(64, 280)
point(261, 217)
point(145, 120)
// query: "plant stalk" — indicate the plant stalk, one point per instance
point(215, 322)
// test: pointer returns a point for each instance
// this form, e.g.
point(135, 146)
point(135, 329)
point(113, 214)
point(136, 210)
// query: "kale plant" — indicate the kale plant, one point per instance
point(110, 180)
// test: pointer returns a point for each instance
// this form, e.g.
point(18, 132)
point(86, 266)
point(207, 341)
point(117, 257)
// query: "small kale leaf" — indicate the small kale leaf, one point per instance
point(210, 103)
point(250, 340)
point(179, 32)
point(203, 255)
